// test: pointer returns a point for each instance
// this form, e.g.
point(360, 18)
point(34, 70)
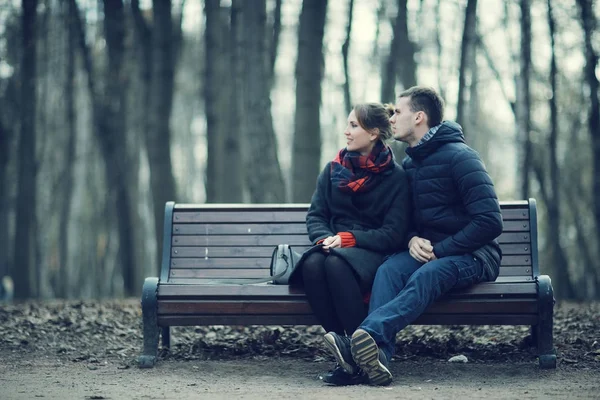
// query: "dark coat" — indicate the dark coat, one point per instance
point(378, 219)
point(455, 204)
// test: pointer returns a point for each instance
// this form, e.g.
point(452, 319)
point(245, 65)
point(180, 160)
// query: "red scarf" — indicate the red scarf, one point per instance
point(353, 172)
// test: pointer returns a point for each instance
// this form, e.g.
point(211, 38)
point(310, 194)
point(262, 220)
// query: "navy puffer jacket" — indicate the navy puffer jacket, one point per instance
point(455, 204)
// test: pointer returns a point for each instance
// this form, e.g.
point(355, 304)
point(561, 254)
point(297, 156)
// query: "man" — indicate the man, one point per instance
point(456, 222)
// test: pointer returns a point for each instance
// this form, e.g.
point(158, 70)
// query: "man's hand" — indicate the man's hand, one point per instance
point(331, 243)
point(421, 249)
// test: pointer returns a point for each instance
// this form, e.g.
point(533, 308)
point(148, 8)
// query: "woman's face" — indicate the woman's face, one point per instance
point(358, 139)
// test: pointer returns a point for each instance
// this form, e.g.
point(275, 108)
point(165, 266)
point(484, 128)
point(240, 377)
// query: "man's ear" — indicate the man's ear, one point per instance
point(420, 117)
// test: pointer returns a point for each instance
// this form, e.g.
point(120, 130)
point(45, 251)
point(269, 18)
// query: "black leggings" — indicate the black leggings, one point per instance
point(334, 293)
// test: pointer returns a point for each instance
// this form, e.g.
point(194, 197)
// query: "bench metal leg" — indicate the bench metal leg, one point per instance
point(546, 351)
point(150, 320)
point(166, 337)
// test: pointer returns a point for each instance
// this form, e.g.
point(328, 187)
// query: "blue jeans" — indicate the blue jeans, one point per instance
point(404, 288)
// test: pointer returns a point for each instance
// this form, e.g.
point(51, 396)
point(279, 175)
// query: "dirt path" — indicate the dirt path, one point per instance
point(286, 378)
point(88, 350)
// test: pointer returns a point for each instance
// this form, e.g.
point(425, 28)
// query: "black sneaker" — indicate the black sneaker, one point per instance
point(370, 358)
point(339, 377)
point(340, 348)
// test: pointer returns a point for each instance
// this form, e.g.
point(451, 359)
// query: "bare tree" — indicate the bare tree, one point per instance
point(234, 185)
point(466, 59)
point(564, 289)
point(108, 116)
point(159, 138)
point(524, 100)
point(306, 150)
point(217, 98)
point(588, 20)
point(274, 42)
point(5, 139)
point(263, 173)
point(345, 50)
point(24, 253)
point(400, 63)
point(68, 178)
point(143, 41)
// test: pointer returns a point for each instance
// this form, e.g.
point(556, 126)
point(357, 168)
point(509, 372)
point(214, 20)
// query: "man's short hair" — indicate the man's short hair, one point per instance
point(426, 99)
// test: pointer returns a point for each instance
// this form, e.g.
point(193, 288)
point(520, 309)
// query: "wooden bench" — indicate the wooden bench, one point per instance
point(204, 243)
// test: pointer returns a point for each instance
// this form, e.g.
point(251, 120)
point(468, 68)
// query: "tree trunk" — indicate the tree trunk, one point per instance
point(563, 288)
point(306, 152)
point(400, 63)
point(216, 98)
point(438, 48)
point(5, 140)
point(234, 186)
point(263, 173)
point(466, 51)
point(407, 71)
point(524, 101)
point(143, 37)
point(588, 20)
point(113, 142)
point(274, 43)
point(24, 244)
point(159, 142)
point(68, 178)
point(345, 50)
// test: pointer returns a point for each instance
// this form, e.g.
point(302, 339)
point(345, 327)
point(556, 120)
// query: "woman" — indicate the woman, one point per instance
point(359, 213)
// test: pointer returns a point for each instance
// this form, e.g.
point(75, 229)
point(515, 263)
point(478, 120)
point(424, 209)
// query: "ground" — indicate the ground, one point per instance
point(88, 350)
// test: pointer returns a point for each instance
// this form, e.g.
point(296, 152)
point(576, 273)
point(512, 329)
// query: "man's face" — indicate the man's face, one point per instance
point(404, 120)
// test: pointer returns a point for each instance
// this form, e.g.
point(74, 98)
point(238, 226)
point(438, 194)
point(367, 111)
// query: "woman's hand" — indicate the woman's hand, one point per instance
point(421, 249)
point(331, 243)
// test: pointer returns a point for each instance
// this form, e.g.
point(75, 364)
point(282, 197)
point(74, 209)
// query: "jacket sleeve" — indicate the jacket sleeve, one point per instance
point(391, 236)
point(319, 213)
point(479, 198)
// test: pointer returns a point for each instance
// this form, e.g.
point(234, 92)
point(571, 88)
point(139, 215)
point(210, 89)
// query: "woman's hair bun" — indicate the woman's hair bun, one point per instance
point(389, 108)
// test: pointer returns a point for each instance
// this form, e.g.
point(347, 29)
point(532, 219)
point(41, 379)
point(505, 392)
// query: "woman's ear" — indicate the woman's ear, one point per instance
point(374, 134)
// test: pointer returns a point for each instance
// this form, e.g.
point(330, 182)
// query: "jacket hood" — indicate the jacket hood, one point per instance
point(449, 132)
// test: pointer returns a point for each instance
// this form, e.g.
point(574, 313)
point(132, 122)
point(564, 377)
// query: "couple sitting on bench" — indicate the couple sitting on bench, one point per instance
point(400, 237)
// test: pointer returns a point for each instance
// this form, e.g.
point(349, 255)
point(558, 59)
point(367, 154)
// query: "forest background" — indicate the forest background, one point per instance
point(110, 108)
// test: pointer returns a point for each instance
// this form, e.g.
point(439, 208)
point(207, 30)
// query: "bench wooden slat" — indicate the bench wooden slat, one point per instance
point(515, 260)
point(294, 240)
point(516, 226)
point(268, 290)
point(241, 240)
point(258, 216)
point(213, 277)
point(221, 263)
point(515, 249)
point(286, 319)
point(254, 273)
point(218, 216)
point(202, 254)
point(240, 229)
point(515, 237)
point(502, 306)
point(515, 213)
point(234, 251)
point(265, 262)
point(516, 271)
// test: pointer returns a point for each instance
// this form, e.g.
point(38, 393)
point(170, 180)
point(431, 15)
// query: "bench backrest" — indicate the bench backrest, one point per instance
point(204, 242)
